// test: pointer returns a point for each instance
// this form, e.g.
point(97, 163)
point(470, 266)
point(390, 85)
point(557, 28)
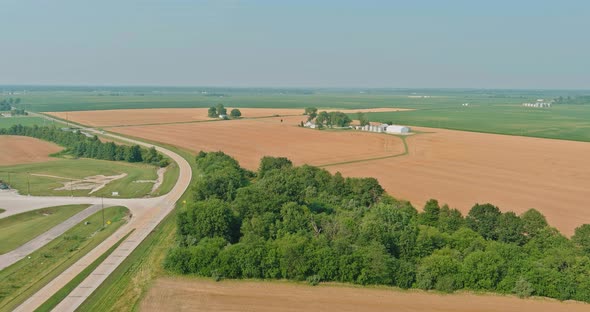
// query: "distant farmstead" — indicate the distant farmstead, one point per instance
point(383, 128)
point(397, 129)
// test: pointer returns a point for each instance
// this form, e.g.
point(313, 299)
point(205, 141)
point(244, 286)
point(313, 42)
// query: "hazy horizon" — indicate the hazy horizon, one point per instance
point(529, 45)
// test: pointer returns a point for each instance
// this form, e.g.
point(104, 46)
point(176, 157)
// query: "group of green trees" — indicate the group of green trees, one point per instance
point(80, 145)
point(583, 99)
point(325, 119)
point(220, 110)
point(303, 223)
point(363, 119)
point(6, 104)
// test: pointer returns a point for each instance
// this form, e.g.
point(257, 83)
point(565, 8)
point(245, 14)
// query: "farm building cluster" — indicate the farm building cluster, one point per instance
point(385, 128)
point(540, 103)
point(380, 128)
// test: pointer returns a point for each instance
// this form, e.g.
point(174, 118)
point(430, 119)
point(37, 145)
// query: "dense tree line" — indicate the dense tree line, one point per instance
point(325, 119)
point(80, 145)
point(303, 223)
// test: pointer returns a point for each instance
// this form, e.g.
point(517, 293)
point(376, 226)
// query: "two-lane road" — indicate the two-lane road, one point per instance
point(147, 213)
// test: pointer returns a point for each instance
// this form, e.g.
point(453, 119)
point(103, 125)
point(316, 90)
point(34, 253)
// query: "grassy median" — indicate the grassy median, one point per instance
point(27, 276)
point(21, 228)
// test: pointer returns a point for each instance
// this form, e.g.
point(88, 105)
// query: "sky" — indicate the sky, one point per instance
point(531, 44)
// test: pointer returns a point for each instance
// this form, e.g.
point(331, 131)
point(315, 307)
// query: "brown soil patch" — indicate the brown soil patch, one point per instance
point(514, 173)
point(250, 139)
point(15, 150)
point(129, 117)
point(184, 294)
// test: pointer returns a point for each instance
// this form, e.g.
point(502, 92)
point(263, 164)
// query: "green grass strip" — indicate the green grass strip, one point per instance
point(21, 228)
point(25, 277)
point(70, 286)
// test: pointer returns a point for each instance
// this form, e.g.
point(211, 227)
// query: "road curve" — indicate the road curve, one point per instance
point(146, 215)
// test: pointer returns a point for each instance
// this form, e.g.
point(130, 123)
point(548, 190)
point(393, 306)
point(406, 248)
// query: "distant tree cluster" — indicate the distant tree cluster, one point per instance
point(79, 145)
point(19, 112)
point(363, 119)
point(311, 112)
point(6, 104)
point(325, 119)
point(303, 223)
point(220, 110)
point(579, 100)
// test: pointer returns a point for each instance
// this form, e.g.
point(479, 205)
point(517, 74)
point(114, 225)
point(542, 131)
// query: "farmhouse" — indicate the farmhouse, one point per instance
point(310, 124)
point(397, 129)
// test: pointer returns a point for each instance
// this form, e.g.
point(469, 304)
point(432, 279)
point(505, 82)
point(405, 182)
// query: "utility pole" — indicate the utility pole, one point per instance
point(29, 183)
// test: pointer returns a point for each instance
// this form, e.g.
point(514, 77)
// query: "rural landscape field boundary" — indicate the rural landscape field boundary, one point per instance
point(404, 153)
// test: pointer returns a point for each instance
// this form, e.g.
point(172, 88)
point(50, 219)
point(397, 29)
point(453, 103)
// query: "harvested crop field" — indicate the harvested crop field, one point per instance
point(185, 294)
point(455, 167)
point(514, 173)
point(23, 150)
point(250, 139)
point(129, 117)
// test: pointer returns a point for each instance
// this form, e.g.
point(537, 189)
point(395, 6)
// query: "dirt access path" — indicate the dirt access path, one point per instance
point(190, 294)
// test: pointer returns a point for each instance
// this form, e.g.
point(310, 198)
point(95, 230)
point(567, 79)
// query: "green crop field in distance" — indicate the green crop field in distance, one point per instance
point(567, 122)
point(24, 178)
point(21, 228)
point(7, 122)
point(47, 101)
point(24, 278)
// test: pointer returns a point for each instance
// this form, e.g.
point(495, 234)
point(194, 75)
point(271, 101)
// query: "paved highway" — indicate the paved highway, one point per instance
point(147, 213)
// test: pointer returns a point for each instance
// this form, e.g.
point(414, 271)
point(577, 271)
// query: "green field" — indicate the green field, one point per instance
point(7, 122)
point(494, 111)
point(570, 122)
point(21, 228)
point(44, 101)
point(23, 178)
point(24, 278)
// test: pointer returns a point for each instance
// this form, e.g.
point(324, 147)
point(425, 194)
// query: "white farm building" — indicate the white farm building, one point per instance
point(397, 129)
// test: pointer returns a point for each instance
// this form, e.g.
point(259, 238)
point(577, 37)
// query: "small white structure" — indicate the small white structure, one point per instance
point(223, 116)
point(115, 194)
point(397, 129)
point(309, 124)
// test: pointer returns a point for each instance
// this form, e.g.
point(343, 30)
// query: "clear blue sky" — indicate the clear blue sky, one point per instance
point(397, 44)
